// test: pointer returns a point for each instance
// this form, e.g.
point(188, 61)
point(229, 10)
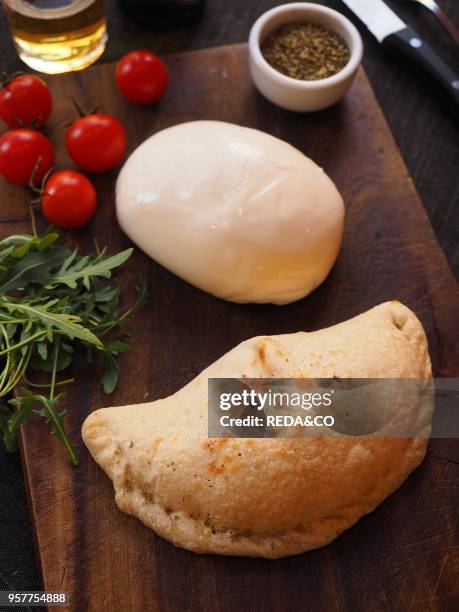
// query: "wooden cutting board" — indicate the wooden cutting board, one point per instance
point(405, 555)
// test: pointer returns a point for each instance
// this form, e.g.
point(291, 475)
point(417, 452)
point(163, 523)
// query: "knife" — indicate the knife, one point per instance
point(394, 34)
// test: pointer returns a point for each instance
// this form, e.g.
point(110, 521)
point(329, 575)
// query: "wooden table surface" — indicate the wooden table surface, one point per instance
point(426, 132)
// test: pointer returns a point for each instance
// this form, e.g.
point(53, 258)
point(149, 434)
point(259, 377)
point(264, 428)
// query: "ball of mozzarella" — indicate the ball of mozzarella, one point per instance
point(232, 210)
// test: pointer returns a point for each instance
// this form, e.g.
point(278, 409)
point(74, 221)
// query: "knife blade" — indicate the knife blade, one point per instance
point(395, 35)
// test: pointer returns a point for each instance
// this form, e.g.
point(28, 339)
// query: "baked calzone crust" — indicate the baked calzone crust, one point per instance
point(264, 497)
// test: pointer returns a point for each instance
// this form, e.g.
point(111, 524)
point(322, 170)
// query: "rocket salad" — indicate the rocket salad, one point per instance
point(54, 303)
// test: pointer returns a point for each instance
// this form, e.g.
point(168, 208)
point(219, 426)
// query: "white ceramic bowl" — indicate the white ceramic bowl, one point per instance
point(294, 94)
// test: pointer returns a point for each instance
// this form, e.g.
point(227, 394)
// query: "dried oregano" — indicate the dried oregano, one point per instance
point(305, 51)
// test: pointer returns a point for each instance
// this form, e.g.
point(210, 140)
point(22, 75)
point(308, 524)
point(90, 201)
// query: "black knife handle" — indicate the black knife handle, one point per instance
point(426, 61)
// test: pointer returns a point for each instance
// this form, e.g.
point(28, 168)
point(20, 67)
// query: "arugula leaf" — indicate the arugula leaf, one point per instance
point(43, 242)
point(68, 324)
point(44, 365)
point(50, 412)
point(69, 274)
point(65, 305)
point(6, 252)
point(9, 437)
point(36, 267)
point(110, 378)
point(42, 349)
point(25, 405)
point(115, 347)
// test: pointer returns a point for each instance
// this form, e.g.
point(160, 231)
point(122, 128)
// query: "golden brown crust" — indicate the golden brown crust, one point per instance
point(263, 497)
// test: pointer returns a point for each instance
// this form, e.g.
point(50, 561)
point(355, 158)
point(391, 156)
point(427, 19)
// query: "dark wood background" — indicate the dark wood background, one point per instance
point(426, 132)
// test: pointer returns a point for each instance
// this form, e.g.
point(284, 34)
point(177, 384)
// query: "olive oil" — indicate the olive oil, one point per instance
point(57, 35)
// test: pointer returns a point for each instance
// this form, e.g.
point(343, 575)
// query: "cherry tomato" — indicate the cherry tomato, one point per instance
point(96, 142)
point(24, 152)
point(25, 101)
point(69, 199)
point(141, 77)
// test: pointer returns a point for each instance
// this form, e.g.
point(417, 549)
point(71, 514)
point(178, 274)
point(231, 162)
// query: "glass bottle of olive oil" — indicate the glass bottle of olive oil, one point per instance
point(57, 35)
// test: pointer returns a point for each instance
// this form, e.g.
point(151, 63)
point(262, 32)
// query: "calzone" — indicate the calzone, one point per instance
point(265, 497)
